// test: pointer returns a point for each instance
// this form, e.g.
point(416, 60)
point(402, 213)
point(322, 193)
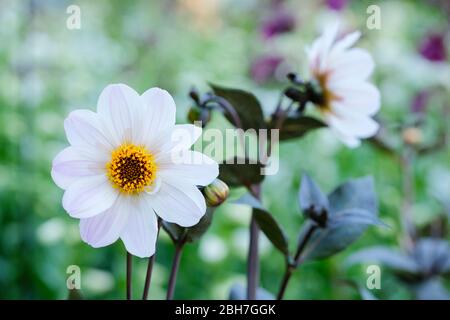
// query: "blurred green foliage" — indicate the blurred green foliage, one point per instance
point(48, 70)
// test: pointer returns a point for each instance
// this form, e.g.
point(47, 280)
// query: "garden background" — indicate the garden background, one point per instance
point(47, 70)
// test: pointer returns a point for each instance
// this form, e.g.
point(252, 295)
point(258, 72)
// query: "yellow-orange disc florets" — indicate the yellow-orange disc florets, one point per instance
point(327, 96)
point(131, 169)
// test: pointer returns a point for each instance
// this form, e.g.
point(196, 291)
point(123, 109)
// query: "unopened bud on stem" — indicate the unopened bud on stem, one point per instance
point(196, 114)
point(216, 193)
point(412, 136)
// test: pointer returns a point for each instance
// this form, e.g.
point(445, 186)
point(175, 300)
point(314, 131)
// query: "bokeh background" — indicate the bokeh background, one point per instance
point(47, 70)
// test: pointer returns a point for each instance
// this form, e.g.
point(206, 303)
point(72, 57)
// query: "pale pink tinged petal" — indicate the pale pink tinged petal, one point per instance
point(89, 196)
point(354, 64)
point(84, 129)
point(159, 109)
point(71, 164)
point(106, 227)
point(359, 97)
point(120, 107)
point(139, 235)
point(192, 167)
point(178, 202)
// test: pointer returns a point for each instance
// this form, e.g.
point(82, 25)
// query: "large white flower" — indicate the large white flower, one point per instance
point(348, 99)
point(127, 162)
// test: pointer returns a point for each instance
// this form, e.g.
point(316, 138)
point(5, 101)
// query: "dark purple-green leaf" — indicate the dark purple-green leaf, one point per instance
point(269, 226)
point(310, 195)
point(296, 127)
point(240, 173)
point(246, 105)
point(353, 207)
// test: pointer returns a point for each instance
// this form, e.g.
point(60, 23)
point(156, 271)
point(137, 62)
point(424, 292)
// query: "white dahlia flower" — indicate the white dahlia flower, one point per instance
point(127, 162)
point(348, 99)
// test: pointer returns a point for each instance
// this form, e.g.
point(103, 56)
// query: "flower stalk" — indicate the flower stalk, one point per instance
point(174, 272)
point(151, 262)
point(129, 274)
point(291, 266)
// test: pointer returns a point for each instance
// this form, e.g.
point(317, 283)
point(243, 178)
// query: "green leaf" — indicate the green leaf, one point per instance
point(269, 226)
point(174, 231)
point(390, 258)
point(310, 195)
point(353, 207)
point(363, 291)
point(297, 127)
point(74, 294)
point(431, 289)
point(239, 292)
point(190, 234)
point(355, 216)
point(358, 193)
point(195, 232)
point(246, 105)
point(240, 173)
point(433, 255)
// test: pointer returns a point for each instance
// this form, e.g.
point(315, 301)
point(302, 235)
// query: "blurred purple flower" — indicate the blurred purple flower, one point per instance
point(433, 47)
point(279, 22)
point(337, 5)
point(264, 67)
point(420, 101)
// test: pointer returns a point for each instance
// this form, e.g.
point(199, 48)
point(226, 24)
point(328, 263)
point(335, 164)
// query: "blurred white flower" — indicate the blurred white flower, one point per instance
point(212, 249)
point(120, 169)
point(97, 281)
point(348, 100)
point(51, 231)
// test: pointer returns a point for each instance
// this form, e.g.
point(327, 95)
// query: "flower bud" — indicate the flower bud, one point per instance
point(412, 136)
point(196, 114)
point(216, 193)
point(318, 215)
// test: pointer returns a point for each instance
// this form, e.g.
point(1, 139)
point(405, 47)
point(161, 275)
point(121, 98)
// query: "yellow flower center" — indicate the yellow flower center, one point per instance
point(327, 95)
point(131, 169)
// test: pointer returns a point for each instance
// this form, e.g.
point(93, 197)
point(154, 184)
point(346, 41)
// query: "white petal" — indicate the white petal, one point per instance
point(353, 64)
point(72, 163)
point(191, 166)
point(120, 108)
point(179, 138)
point(178, 203)
point(328, 38)
point(154, 187)
point(89, 196)
point(313, 55)
point(84, 129)
point(159, 114)
point(185, 135)
point(139, 235)
point(349, 141)
point(345, 43)
point(106, 227)
point(356, 126)
point(360, 97)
